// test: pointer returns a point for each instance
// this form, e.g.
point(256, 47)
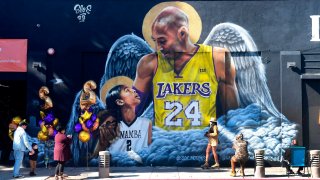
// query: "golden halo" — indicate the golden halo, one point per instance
point(115, 81)
point(195, 24)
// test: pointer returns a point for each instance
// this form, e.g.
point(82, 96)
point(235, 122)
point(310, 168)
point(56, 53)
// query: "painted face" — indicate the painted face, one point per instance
point(129, 96)
point(166, 40)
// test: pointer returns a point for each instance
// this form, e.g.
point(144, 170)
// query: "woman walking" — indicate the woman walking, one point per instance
point(212, 135)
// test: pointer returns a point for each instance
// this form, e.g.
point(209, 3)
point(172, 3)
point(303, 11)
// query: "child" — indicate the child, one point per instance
point(33, 159)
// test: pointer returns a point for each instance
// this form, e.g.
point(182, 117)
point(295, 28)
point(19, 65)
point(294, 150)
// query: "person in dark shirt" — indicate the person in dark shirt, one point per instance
point(287, 158)
point(33, 159)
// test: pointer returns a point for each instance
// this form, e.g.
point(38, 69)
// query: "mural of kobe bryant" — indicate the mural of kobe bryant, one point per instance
point(173, 73)
point(256, 117)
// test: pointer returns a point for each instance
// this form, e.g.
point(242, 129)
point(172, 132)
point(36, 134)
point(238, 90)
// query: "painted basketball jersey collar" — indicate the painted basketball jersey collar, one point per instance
point(127, 124)
point(179, 70)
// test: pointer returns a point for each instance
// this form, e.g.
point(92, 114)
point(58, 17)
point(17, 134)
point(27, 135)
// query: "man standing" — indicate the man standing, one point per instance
point(20, 145)
point(184, 77)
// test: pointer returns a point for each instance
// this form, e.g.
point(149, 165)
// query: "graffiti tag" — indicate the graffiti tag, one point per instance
point(82, 11)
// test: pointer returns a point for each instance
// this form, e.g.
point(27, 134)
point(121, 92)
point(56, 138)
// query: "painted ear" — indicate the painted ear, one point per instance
point(120, 102)
point(183, 32)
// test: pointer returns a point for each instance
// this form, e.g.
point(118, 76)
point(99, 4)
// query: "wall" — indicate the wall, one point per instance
point(81, 48)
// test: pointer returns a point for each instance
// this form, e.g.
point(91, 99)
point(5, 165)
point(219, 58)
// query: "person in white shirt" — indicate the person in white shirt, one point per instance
point(20, 145)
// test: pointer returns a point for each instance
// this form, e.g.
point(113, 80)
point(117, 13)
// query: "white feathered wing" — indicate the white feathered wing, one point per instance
point(250, 78)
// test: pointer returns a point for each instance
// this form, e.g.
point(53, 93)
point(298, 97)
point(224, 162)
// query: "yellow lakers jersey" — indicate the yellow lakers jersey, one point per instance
point(186, 99)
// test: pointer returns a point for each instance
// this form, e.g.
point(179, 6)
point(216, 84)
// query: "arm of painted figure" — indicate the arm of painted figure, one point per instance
point(143, 81)
point(226, 75)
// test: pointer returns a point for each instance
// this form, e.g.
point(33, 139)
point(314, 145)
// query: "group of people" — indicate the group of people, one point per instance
point(240, 146)
point(21, 145)
point(241, 152)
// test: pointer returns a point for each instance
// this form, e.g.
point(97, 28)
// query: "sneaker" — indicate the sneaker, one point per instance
point(299, 173)
point(233, 174)
point(32, 174)
point(205, 165)
point(17, 177)
point(216, 165)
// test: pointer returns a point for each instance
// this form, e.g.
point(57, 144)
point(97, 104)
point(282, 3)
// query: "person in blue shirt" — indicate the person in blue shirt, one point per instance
point(20, 145)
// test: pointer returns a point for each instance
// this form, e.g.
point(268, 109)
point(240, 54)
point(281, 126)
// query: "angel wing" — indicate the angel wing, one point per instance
point(250, 78)
point(124, 56)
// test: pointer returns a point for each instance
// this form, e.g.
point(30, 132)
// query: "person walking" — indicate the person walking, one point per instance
point(20, 145)
point(212, 135)
point(62, 152)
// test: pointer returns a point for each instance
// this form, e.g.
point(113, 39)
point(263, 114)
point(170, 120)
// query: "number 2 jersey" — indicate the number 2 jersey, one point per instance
point(132, 137)
point(186, 99)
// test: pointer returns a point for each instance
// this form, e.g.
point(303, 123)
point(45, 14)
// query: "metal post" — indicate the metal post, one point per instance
point(259, 156)
point(315, 165)
point(104, 164)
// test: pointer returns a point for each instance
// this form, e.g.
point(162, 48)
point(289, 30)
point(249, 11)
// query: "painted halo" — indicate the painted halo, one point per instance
point(115, 81)
point(195, 23)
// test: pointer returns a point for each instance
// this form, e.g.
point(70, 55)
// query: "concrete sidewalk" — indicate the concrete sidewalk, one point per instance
point(148, 173)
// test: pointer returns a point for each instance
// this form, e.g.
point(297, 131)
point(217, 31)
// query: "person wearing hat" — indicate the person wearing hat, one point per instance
point(241, 155)
point(20, 145)
point(212, 136)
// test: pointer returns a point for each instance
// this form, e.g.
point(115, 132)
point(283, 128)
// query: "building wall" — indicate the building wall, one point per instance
point(277, 27)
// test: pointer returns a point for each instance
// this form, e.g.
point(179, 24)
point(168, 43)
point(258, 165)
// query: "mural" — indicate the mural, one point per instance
point(183, 83)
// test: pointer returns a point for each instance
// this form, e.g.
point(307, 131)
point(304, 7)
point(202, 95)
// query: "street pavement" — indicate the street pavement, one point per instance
point(155, 173)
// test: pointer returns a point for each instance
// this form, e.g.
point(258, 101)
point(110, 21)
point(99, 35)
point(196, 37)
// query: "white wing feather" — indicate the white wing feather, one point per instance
point(250, 78)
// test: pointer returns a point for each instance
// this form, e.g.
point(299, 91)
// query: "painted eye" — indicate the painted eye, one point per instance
point(162, 42)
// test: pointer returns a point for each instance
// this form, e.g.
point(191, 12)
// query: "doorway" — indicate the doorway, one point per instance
point(13, 96)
